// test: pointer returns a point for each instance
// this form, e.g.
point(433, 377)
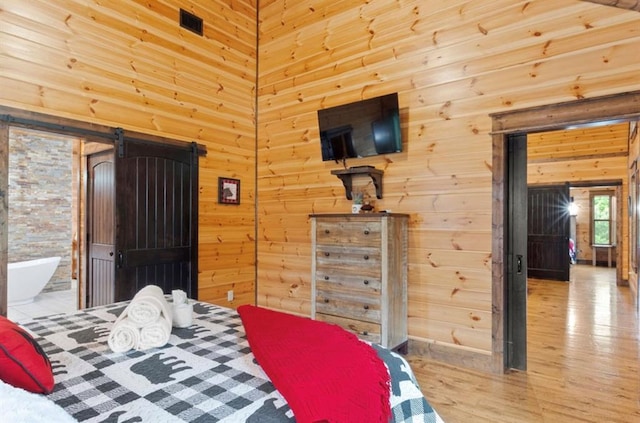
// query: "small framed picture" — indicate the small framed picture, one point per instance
point(228, 191)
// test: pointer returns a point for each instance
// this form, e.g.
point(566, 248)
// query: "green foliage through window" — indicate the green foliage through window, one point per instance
point(602, 219)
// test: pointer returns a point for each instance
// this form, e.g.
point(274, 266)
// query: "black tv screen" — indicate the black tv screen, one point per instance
point(361, 129)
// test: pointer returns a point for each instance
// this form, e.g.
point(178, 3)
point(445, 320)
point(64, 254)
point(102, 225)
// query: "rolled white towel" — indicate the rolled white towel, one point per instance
point(124, 335)
point(155, 335)
point(147, 306)
point(145, 323)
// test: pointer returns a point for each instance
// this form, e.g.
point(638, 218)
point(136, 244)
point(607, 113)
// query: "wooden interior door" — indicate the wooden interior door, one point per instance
point(100, 228)
point(548, 223)
point(156, 217)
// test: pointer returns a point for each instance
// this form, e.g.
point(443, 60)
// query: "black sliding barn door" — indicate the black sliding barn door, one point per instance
point(548, 234)
point(156, 217)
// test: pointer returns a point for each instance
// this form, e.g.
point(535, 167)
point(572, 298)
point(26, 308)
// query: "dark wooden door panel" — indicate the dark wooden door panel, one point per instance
point(156, 218)
point(548, 224)
point(101, 277)
point(168, 276)
point(515, 304)
point(100, 229)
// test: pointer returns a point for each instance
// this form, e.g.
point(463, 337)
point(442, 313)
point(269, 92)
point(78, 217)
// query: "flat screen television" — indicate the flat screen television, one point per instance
point(360, 129)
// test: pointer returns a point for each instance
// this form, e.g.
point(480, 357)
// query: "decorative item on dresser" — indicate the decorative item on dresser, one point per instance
point(359, 275)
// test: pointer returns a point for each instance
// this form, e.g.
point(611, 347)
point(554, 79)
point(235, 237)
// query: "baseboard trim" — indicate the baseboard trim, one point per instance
point(451, 355)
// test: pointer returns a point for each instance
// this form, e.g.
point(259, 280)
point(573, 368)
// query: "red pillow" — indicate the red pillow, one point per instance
point(23, 363)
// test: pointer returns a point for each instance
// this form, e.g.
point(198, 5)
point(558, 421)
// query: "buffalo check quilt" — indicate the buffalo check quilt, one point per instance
point(206, 373)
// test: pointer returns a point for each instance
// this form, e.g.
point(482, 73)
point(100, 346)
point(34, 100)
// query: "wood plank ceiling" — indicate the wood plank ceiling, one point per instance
point(622, 4)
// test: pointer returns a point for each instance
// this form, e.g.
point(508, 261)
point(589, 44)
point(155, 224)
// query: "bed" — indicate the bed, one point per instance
point(205, 373)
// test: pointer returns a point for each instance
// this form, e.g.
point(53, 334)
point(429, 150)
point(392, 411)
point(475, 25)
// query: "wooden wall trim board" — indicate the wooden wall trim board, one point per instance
point(623, 4)
point(621, 106)
point(454, 356)
point(634, 154)
point(4, 213)
point(499, 261)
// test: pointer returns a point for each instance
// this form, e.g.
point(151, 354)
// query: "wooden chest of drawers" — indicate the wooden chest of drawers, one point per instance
point(359, 274)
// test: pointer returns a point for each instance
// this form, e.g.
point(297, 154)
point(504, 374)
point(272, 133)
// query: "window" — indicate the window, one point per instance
point(603, 226)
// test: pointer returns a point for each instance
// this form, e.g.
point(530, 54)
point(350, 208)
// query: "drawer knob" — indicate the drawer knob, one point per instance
point(327, 254)
point(366, 282)
point(366, 232)
point(326, 231)
point(326, 278)
point(366, 307)
point(365, 333)
point(326, 300)
point(366, 257)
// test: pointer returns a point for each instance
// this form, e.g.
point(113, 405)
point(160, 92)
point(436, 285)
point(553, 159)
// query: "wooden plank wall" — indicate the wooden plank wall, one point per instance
point(129, 64)
point(452, 63)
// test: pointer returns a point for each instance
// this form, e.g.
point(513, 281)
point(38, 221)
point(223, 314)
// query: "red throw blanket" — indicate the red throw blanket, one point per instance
point(325, 373)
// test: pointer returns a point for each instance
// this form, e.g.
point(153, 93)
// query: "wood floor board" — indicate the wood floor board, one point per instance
point(583, 360)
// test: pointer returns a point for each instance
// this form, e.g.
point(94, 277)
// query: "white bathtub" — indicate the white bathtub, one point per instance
point(25, 279)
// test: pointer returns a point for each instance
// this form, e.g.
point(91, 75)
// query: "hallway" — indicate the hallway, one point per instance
point(582, 360)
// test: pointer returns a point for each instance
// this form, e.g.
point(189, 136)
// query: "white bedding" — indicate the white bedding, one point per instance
point(20, 406)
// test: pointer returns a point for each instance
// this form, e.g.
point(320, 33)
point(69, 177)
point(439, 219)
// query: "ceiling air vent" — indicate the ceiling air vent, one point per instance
point(191, 22)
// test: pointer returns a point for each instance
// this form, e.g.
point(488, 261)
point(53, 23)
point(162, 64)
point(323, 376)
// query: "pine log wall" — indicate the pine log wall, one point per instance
point(129, 64)
point(452, 63)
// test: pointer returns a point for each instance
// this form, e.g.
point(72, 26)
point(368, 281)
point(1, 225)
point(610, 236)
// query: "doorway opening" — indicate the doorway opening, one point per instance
point(44, 192)
point(509, 294)
point(153, 209)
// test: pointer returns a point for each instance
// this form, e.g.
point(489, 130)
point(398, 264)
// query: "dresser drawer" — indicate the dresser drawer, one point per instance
point(349, 260)
point(348, 303)
point(348, 233)
point(330, 278)
point(364, 330)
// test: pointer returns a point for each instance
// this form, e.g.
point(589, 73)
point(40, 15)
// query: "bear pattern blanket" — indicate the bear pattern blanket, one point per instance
point(205, 373)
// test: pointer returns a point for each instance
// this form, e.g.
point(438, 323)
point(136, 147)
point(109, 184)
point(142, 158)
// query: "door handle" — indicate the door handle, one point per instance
point(120, 259)
point(519, 264)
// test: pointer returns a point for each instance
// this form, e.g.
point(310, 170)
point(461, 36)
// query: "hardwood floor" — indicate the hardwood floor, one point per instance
point(583, 360)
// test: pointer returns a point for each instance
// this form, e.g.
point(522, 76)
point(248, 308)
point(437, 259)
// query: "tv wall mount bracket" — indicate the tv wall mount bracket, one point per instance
point(346, 176)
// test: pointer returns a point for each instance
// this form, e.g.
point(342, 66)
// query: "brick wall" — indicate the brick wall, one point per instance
point(40, 200)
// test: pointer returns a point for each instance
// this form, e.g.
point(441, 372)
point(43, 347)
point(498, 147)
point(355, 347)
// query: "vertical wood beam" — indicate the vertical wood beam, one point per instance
point(497, 251)
point(4, 214)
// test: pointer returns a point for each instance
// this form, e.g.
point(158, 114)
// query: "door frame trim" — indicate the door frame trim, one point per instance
point(18, 118)
point(620, 107)
point(13, 117)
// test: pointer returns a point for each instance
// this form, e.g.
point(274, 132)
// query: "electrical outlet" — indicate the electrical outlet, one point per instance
point(230, 295)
